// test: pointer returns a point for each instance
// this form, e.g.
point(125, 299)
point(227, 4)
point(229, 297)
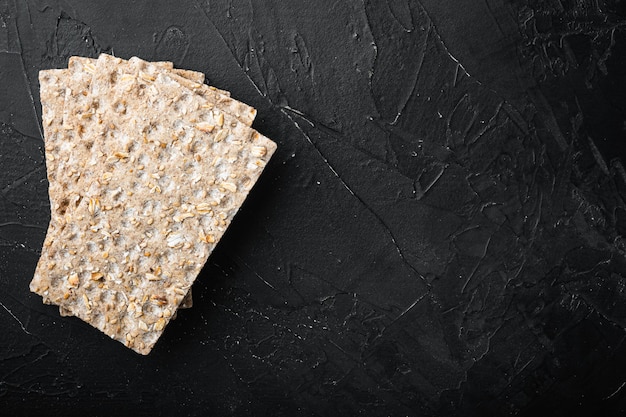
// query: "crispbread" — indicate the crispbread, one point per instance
point(173, 182)
point(76, 90)
point(59, 142)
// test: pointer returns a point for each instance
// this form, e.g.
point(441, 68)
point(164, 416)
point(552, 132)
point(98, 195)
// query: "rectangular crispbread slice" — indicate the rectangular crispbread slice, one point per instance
point(53, 87)
point(176, 170)
point(58, 145)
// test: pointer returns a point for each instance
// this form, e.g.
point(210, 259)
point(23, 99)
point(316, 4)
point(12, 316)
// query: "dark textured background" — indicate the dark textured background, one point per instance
point(441, 232)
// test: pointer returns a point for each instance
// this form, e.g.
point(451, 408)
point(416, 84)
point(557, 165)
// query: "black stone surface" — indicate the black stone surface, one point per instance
point(441, 232)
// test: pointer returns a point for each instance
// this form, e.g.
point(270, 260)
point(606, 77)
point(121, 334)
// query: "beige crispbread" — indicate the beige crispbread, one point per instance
point(77, 82)
point(59, 142)
point(173, 182)
point(79, 73)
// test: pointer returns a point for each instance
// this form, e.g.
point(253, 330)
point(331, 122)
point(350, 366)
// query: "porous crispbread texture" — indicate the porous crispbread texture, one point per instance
point(190, 75)
point(84, 67)
point(194, 76)
point(56, 85)
point(60, 141)
point(52, 93)
point(186, 303)
point(177, 169)
point(58, 145)
point(81, 69)
point(64, 191)
point(225, 103)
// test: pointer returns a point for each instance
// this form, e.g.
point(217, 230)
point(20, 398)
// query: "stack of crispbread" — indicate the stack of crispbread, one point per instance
point(147, 167)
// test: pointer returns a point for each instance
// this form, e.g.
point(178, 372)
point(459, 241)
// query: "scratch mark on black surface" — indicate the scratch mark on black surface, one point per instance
point(257, 274)
point(253, 51)
point(397, 19)
point(12, 244)
point(337, 135)
point(495, 20)
point(480, 261)
point(28, 83)
point(328, 165)
point(20, 180)
point(376, 216)
point(582, 298)
point(24, 365)
point(342, 350)
point(4, 126)
point(406, 310)
point(616, 391)
point(370, 75)
point(416, 75)
point(34, 226)
point(432, 183)
point(488, 126)
point(447, 51)
point(456, 74)
point(16, 319)
point(232, 53)
point(598, 157)
point(520, 370)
